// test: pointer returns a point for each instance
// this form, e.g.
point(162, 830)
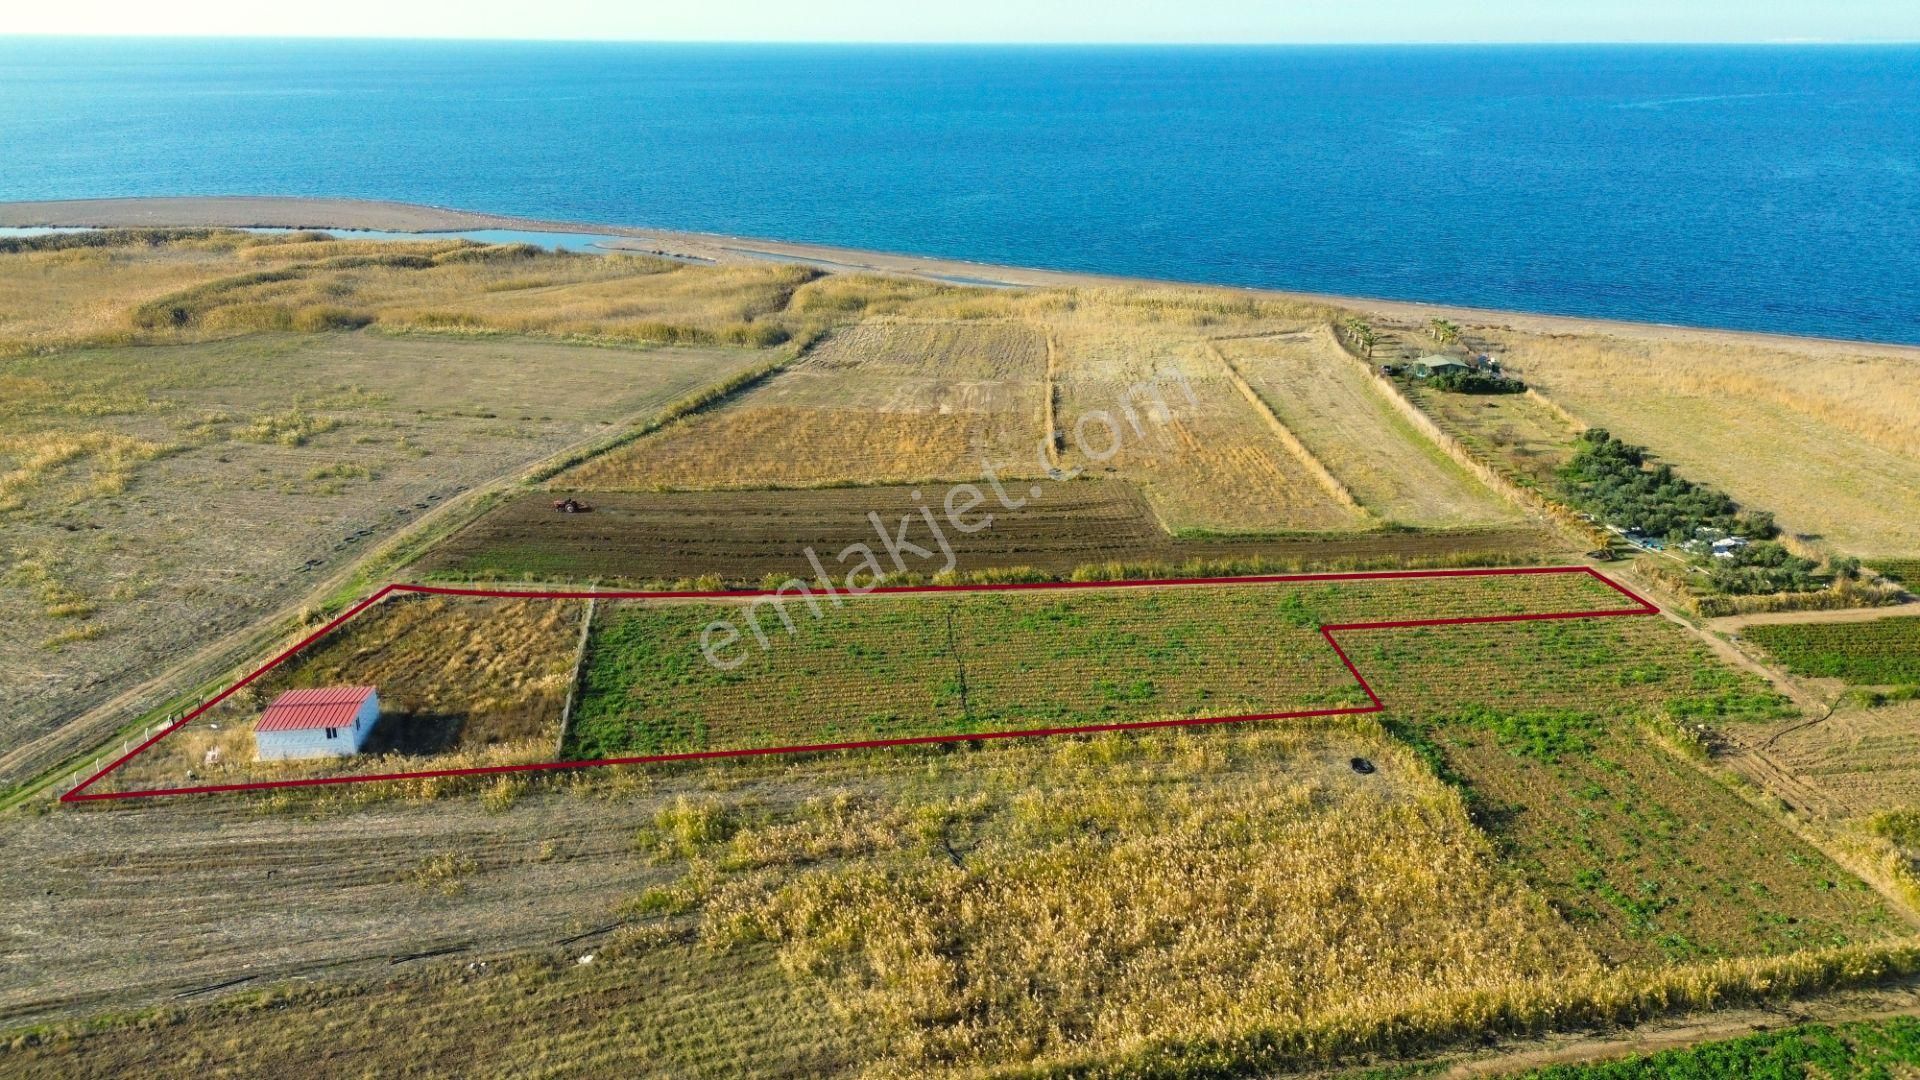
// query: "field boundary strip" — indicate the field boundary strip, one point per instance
point(1328, 632)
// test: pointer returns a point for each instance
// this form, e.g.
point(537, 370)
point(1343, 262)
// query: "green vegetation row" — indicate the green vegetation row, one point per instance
point(1864, 1049)
point(528, 565)
point(1622, 487)
point(1476, 382)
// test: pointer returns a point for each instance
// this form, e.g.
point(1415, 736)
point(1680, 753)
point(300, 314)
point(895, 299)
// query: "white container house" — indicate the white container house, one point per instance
point(331, 721)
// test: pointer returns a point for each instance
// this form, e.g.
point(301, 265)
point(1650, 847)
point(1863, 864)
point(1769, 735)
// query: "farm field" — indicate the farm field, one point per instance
point(1880, 652)
point(831, 878)
point(1301, 821)
point(1206, 457)
point(1122, 385)
point(740, 539)
point(1826, 441)
point(1629, 840)
point(1393, 470)
point(906, 666)
point(1854, 763)
point(463, 682)
point(1902, 570)
point(1551, 825)
point(1527, 440)
point(158, 497)
point(876, 403)
point(478, 681)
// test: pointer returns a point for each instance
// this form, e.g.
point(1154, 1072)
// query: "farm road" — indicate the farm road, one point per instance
point(1733, 624)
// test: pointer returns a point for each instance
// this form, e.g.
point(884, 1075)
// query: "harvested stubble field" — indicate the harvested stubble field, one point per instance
point(1826, 439)
point(942, 384)
point(1326, 399)
point(1146, 892)
point(904, 666)
point(463, 682)
point(1206, 457)
point(876, 403)
point(1855, 762)
point(266, 462)
point(745, 538)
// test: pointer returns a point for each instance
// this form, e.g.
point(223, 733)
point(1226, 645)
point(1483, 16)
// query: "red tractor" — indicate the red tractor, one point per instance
point(571, 506)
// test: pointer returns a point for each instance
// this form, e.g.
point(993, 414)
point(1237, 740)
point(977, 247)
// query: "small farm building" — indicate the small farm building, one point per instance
point(1437, 365)
point(330, 721)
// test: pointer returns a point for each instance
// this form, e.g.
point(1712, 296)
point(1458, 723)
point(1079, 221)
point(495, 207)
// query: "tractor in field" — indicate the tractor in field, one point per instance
point(571, 506)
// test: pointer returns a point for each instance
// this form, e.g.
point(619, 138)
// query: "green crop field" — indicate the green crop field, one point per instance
point(960, 663)
point(1905, 571)
point(1880, 653)
point(1553, 732)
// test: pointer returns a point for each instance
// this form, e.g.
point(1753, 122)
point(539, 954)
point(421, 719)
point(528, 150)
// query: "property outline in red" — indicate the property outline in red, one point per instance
point(1641, 607)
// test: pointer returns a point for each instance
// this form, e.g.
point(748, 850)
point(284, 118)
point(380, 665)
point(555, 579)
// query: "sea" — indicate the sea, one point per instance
point(1771, 188)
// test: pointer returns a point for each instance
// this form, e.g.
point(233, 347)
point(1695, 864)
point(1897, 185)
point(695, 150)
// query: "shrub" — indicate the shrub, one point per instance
point(1476, 382)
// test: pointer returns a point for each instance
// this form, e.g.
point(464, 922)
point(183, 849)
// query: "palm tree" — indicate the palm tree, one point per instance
point(1361, 334)
point(1444, 333)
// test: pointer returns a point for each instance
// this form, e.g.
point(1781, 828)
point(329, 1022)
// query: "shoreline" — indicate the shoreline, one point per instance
point(273, 211)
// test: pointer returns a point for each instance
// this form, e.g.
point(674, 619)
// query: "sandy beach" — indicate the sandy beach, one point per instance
point(250, 211)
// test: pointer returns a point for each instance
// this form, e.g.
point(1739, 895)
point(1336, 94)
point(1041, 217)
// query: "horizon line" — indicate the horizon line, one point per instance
point(1012, 44)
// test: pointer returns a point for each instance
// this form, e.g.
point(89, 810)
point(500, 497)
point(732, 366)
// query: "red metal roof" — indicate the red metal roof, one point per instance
point(321, 707)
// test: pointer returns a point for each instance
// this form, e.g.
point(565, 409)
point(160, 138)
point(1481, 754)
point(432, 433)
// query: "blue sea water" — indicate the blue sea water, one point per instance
point(1766, 188)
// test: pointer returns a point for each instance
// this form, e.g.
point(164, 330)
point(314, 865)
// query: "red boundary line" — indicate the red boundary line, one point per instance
point(1641, 607)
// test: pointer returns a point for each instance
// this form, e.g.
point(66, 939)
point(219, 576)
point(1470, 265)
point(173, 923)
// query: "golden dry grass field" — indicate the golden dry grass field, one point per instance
point(1124, 383)
point(1328, 401)
point(1829, 441)
point(878, 402)
point(463, 683)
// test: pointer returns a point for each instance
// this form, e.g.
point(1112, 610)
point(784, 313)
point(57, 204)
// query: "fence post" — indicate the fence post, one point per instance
point(573, 682)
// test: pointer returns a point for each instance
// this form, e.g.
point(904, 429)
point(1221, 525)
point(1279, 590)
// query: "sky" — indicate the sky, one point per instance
point(1034, 21)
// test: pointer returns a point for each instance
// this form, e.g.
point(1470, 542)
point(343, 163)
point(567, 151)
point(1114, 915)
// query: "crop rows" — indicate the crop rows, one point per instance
point(1553, 730)
point(939, 349)
point(951, 664)
point(1879, 653)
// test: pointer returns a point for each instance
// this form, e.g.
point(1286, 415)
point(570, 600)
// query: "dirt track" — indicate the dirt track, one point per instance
point(1733, 624)
point(1900, 999)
